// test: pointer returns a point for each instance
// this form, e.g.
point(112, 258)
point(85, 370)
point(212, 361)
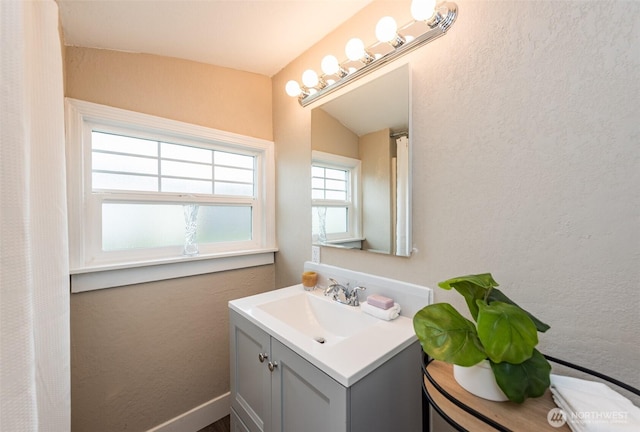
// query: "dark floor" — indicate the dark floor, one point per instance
point(222, 425)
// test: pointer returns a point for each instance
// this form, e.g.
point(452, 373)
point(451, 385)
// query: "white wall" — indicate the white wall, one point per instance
point(526, 161)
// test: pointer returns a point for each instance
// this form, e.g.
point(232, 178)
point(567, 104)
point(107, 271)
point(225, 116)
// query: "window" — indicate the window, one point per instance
point(335, 195)
point(146, 191)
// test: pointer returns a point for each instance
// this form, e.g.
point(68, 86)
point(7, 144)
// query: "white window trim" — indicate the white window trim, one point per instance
point(355, 196)
point(87, 276)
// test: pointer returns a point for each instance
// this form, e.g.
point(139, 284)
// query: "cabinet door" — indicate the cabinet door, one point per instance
point(303, 397)
point(250, 378)
point(236, 423)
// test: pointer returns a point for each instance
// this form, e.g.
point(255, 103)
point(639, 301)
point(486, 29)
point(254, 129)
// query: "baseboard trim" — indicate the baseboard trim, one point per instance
point(199, 417)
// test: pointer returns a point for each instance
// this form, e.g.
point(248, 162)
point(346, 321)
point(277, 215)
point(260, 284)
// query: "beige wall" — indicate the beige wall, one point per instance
point(330, 136)
point(144, 354)
point(375, 154)
point(525, 164)
point(197, 93)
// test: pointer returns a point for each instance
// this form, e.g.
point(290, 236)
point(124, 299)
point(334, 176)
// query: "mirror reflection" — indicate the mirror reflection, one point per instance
point(360, 167)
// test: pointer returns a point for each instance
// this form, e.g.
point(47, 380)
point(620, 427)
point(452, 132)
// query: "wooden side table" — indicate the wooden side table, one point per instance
point(467, 412)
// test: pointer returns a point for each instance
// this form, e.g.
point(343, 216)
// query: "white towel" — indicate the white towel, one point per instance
point(593, 407)
point(386, 314)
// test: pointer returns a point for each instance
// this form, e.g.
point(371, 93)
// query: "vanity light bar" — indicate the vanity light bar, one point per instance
point(314, 87)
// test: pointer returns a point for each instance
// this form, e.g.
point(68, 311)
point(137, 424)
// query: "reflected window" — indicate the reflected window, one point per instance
point(335, 189)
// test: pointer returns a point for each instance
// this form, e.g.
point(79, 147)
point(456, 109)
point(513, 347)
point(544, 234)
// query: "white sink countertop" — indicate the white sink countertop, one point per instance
point(341, 340)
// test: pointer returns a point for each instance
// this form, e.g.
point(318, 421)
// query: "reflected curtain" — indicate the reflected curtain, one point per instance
point(402, 210)
point(34, 277)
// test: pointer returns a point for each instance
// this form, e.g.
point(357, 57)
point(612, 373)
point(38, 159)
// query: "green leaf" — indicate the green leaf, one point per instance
point(484, 280)
point(472, 288)
point(506, 332)
point(497, 295)
point(448, 336)
point(527, 379)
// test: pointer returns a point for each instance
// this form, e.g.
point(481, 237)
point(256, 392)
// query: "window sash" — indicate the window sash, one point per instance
point(85, 209)
point(158, 163)
point(326, 170)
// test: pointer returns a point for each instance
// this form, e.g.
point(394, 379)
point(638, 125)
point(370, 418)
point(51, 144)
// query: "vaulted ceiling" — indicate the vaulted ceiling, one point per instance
point(260, 36)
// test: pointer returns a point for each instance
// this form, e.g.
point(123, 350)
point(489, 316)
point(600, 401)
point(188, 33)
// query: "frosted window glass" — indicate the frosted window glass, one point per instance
point(223, 224)
point(336, 220)
point(134, 226)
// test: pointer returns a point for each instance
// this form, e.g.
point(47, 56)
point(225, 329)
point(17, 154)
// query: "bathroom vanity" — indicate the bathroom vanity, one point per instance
point(303, 362)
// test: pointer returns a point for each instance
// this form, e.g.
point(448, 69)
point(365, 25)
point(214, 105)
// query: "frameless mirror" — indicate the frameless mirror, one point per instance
point(361, 168)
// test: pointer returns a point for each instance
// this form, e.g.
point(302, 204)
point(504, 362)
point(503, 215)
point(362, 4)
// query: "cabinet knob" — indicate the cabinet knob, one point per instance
point(272, 365)
point(262, 357)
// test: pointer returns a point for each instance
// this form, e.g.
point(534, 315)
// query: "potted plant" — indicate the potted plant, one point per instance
point(503, 334)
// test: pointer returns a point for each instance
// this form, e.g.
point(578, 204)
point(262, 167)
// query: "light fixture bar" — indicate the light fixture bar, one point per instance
point(439, 23)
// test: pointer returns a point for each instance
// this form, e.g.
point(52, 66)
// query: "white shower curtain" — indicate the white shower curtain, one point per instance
point(403, 214)
point(34, 277)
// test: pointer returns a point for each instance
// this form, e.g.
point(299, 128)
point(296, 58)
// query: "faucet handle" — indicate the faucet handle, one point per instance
point(355, 301)
point(333, 284)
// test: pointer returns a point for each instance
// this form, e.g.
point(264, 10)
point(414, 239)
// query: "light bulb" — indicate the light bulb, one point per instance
point(293, 88)
point(354, 49)
point(310, 78)
point(386, 29)
point(422, 10)
point(330, 65)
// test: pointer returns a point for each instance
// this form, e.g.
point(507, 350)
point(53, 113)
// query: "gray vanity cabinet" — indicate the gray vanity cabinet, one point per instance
point(283, 392)
point(303, 398)
point(273, 389)
point(250, 377)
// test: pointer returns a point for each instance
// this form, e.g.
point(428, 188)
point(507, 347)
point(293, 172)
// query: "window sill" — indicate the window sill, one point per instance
point(111, 276)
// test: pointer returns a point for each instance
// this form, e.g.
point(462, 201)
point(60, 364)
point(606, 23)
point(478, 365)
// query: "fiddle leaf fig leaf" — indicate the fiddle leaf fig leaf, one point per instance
point(497, 295)
point(448, 336)
point(506, 332)
point(527, 379)
point(472, 288)
point(484, 280)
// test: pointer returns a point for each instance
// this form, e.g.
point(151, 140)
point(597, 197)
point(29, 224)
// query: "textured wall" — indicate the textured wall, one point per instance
point(526, 164)
point(144, 354)
point(377, 207)
point(330, 136)
point(197, 93)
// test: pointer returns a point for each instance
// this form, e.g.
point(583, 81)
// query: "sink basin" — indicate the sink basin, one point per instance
point(320, 318)
point(341, 340)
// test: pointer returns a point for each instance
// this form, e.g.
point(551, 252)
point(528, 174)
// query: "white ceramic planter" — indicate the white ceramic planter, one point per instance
point(480, 381)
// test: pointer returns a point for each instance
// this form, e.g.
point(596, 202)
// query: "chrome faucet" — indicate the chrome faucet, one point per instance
point(344, 294)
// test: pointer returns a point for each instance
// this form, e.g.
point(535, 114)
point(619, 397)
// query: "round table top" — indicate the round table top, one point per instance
point(528, 416)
